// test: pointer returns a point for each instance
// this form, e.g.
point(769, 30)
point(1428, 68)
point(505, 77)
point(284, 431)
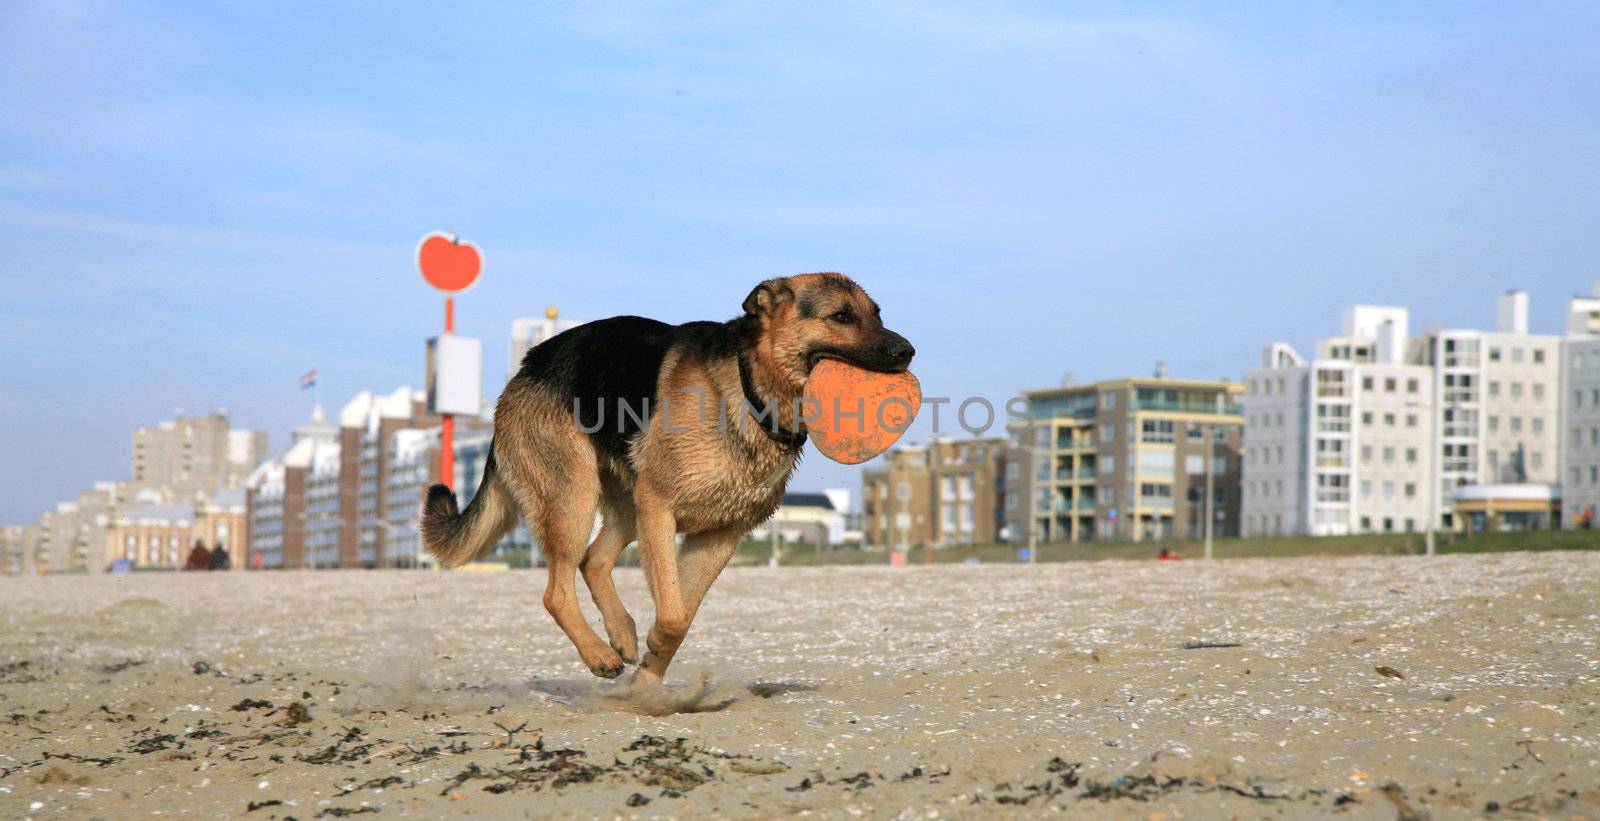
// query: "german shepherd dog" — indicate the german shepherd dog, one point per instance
point(665, 429)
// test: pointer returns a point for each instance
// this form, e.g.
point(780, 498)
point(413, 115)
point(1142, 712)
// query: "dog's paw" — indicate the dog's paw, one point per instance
point(630, 655)
point(606, 670)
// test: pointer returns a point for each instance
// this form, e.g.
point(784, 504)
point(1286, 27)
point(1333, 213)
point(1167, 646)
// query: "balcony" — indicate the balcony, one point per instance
point(1228, 409)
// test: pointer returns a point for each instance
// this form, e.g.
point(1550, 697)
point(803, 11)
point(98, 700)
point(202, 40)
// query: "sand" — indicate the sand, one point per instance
point(1365, 687)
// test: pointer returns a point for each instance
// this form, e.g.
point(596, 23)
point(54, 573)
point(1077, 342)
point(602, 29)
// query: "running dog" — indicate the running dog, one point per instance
point(664, 429)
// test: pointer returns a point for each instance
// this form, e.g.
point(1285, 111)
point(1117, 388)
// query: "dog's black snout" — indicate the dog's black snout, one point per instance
point(899, 349)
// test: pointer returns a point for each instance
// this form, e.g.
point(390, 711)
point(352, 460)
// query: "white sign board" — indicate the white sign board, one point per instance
point(455, 375)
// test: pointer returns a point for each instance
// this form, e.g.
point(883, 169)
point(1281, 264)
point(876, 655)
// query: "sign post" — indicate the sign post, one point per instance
point(451, 266)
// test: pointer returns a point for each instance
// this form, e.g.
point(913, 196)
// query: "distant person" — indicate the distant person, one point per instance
point(220, 560)
point(199, 557)
point(1167, 554)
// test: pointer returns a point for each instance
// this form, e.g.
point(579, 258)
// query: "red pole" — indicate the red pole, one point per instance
point(447, 427)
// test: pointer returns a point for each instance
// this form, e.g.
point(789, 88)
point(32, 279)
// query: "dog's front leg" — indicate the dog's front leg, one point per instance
point(703, 557)
point(658, 530)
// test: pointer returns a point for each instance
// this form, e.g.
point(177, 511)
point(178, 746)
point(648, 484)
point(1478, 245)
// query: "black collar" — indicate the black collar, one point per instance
point(785, 438)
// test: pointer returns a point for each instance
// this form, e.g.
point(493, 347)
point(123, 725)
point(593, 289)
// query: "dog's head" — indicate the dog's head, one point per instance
point(807, 318)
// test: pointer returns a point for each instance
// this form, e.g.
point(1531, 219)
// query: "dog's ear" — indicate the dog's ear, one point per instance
point(767, 297)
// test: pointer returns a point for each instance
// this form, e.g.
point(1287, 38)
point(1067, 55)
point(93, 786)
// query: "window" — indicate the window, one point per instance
point(1538, 390)
point(1388, 455)
point(1494, 423)
point(1366, 383)
point(1157, 463)
point(1193, 464)
point(1388, 420)
point(1108, 432)
point(1154, 490)
point(1538, 356)
point(1108, 464)
point(1494, 354)
point(1366, 453)
point(1516, 424)
point(1158, 430)
point(1411, 492)
point(1411, 456)
point(1411, 420)
point(1109, 399)
point(1107, 496)
point(1194, 431)
point(1494, 388)
point(1411, 386)
point(1388, 490)
point(1366, 488)
point(1389, 385)
point(1516, 354)
point(1538, 424)
point(1219, 465)
point(1366, 417)
point(1516, 390)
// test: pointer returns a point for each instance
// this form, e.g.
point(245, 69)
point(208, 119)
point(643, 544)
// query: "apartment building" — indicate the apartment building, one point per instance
point(528, 332)
point(351, 496)
point(195, 454)
point(11, 549)
point(1580, 417)
point(1339, 444)
point(945, 493)
point(1125, 459)
point(413, 461)
point(150, 533)
point(276, 496)
point(1379, 429)
point(1499, 414)
point(368, 425)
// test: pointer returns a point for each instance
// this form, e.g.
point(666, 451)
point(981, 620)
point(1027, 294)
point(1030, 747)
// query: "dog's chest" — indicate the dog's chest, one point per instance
point(727, 493)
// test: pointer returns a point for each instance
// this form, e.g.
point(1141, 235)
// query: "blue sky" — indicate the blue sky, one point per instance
point(199, 204)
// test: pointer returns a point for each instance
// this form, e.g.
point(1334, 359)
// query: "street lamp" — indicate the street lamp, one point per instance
point(1210, 468)
point(1433, 472)
point(1030, 448)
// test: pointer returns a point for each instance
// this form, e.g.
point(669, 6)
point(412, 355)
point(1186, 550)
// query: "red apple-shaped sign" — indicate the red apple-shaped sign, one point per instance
point(447, 263)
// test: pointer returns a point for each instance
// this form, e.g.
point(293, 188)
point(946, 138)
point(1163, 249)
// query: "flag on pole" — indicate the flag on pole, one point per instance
point(309, 380)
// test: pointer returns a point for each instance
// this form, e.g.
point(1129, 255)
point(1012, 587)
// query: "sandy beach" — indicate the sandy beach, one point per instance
point(1365, 687)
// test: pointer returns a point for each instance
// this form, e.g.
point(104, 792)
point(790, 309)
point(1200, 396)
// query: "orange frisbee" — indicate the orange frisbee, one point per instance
point(854, 414)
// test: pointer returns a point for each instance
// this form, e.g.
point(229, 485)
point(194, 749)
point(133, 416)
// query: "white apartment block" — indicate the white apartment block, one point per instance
point(1353, 440)
point(529, 332)
point(1339, 444)
point(1580, 438)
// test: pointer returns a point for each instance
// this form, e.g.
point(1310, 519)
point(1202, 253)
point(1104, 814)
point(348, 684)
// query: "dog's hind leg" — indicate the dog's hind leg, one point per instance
point(615, 533)
point(559, 502)
point(702, 559)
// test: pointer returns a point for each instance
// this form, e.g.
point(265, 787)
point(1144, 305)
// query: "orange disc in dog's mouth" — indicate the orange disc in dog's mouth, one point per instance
point(854, 414)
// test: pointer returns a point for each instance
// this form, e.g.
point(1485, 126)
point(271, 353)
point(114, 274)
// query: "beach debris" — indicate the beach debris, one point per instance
point(1397, 796)
point(1209, 645)
point(297, 713)
point(1388, 672)
point(768, 689)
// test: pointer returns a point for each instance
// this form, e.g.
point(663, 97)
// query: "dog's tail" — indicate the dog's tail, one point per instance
point(457, 538)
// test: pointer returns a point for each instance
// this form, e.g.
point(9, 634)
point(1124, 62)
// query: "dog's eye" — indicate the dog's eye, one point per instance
point(843, 317)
